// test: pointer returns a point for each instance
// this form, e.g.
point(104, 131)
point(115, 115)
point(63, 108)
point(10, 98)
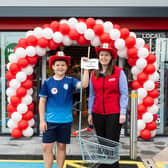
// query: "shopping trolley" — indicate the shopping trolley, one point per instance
point(96, 149)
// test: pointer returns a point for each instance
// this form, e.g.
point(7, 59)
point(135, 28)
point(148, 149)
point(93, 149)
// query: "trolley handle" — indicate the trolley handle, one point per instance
point(89, 128)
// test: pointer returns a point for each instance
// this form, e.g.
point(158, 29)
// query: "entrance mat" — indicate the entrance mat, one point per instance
point(68, 164)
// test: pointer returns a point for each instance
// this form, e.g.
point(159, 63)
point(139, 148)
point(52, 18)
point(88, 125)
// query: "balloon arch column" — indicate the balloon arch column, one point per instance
point(82, 32)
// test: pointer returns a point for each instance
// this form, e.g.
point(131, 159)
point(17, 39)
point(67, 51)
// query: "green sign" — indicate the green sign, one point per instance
point(9, 49)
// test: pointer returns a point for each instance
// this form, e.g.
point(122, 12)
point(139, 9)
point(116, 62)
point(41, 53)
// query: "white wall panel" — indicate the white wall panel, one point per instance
point(99, 3)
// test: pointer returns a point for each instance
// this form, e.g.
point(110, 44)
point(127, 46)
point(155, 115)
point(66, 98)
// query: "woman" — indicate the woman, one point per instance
point(108, 96)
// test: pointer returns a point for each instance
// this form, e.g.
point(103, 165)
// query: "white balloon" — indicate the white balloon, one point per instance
point(149, 85)
point(135, 71)
point(22, 108)
point(95, 42)
point(142, 93)
point(132, 34)
point(141, 63)
point(89, 34)
point(122, 53)
point(8, 65)
point(31, 51)
point(21, 76)
point(11, 124)
point(31, 122)
point(134, 77)
point(140, 125)
point(156, 65)
point(115, 34)
point(30, 91)
point(28, 132)
point(10, 92)
point(72, 22)
point(29, 33)
point(57, 37)
point(28, 70)
point(8, 99)
point(14, 83)
point(140, 100)
point(48, 33)
point(153, 133)
point(143, 52)
point(140, 43)
point(67, 41)
point(81, 27)
point(99, 21)
point(16, 116)
point(20, 52)
point(38, 31)
point(12, 58)
point(63, 21)
point(119, 44)
point(154, 77)
point(27, 99)
point(156, 101)
point(153, 109)
point(40, 51)
point(147, 117)
point(108, 26)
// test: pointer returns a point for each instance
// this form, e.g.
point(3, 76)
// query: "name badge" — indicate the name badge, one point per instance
point(112, 79)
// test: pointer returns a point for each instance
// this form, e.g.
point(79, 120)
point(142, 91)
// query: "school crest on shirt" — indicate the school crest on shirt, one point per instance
point(54, 90)
point(66, 86)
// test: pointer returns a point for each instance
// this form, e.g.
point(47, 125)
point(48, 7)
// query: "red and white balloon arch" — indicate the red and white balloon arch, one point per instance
point(80, 31)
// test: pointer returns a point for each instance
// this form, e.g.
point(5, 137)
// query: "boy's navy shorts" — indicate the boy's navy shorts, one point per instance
point(59, 132)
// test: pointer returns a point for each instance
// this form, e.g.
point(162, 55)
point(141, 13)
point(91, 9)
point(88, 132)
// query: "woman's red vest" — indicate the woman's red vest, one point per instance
point(107, 96)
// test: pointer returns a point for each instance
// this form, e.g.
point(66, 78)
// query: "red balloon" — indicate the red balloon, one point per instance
point(145, 134)
point(42, 42)
point(116, 26)
point(46, 26)
point(90, 22)
point(27, 116)
point(136, 85)
point(10, 115)
point(132, 61)
point(16, 133)
point(139, 117)
point(153, 93)
point(23, 62)
point(32, 60)
point(82, 40)
point(9, 75)
point(32, 40)
point(27, 84)
point(142, 77)
point(22, 124)
point(30, 77)
point(141, 109)
point(132, 52)
point(22, 43)
point(14, 68)
point(124, 33)
point(52, 45)
point(31, 107)
point(73, 34)
point(11, 108)
point(148, 101)
point(98, 29)
point(81, 20)
point(64, 28)
point(8, 84)
point(54, 26)
point(147, 46)
point(21, 92)
point(130, 42)
point(156, 85)
point(151, 58)
point(15, 100)
point(105, 38)
point(150, 69)
point(151, 126)
point(155, 116)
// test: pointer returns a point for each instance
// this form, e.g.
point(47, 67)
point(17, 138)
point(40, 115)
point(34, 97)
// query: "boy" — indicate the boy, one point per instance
point(55, 108)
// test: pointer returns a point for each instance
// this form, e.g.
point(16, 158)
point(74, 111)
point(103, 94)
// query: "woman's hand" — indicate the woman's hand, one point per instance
point(90, 119)
point(122, 118)
point(43, 126)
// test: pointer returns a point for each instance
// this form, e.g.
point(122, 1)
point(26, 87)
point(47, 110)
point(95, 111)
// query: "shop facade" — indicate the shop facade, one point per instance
point(151, 26)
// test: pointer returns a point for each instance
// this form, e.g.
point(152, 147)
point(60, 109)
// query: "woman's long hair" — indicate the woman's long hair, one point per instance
point(110, 68)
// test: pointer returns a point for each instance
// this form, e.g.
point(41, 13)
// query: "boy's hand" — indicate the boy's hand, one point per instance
point(122, 118)
point(43, 126)
point(90, 119)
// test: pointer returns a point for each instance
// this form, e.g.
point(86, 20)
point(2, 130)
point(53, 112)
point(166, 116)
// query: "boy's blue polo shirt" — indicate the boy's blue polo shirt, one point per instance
point(59, 94)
